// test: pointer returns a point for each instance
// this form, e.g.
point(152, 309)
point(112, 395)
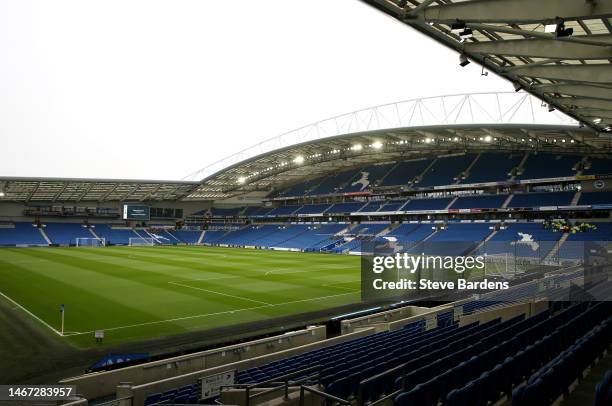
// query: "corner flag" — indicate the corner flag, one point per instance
point(62, 313)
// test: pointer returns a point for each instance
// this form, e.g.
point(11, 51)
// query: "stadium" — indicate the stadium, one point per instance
point(448, 250)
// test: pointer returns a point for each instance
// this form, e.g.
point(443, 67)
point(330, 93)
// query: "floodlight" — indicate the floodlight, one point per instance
point(357, 147)
point(241, 179)
point(517, 86)
point(377, 145)
point(465, 34)
point(458, 26)
point(298, 159)
point(2, 194)
point(550, 28)
point(551, 108)
point(488, 138)
point(463, 60)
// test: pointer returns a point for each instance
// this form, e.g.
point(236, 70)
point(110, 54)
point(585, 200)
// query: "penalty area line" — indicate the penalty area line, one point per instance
point(31, 314)
point(222, 294)
point(196, 316)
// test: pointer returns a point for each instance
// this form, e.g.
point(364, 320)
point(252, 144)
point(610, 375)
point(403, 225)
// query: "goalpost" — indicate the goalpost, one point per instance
point(141, 241)
point(91, 242)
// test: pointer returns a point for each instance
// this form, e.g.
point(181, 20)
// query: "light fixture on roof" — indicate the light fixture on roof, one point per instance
point(517, 86)
point(377, 145)
point(558, 28)
point(357, 147)
point(488, 138)
point(466, 33)
point(298, 159)
point(597, 120)
point(458, 26)
point(241, 180)
point(551, 108)
point(463, 60)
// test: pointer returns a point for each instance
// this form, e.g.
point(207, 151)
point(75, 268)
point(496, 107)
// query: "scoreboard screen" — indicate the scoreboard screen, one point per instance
point(134, 212)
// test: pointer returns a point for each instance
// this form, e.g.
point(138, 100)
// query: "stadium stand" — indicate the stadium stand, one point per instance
point(593, 198)
point(15, 234)
point(345, 208)
point(492, 167)
point(66, 233)
point(479, 202)
point(446, 170)
point(427, 204)
point(368, 176)
point(541, 199)
point(539, 166)
point(115, 235)
point(405, 171)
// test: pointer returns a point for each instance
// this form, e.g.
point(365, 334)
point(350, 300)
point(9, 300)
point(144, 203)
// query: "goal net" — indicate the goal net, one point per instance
point(91, 242)
point(140, 241)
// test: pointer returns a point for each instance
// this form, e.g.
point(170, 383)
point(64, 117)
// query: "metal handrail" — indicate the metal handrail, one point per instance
point(304, 388)
point(281, 383)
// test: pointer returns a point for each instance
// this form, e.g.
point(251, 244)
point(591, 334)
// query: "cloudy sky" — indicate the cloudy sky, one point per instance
point(159, 89)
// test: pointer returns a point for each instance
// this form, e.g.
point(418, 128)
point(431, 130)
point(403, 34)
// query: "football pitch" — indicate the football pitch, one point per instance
point(138, 293)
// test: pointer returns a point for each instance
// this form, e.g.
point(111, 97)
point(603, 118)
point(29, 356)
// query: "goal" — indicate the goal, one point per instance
point(91, 242)
point(140, 241)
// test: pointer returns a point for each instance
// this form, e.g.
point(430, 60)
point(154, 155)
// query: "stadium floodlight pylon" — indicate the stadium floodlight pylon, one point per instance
point(141, 241)
point(91, 242)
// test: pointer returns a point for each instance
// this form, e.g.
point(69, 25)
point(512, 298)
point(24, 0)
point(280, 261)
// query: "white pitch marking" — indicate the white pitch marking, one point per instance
point(31, 314)
point(215, 314)
point(220, 293)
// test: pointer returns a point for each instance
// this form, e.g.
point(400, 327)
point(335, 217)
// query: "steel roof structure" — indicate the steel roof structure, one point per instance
point(404, 130)
point(557, 50)
point(31, 190)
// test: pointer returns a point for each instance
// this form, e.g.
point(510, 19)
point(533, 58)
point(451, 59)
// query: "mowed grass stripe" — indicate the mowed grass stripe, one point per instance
point(127, 289)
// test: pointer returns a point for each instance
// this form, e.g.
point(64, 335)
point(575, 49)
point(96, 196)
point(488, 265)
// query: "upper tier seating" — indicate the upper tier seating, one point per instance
point(393, 205)
point(541, 199)
point(493, 167)
point(115, 236)
point(405, 171)
point(446, 169)
point(21, 234)
point(225, 212)
point(372, 206)
point(313, 209)
point(479, 202)
point(66, 233)
point(282, 211)
point(592, 198)
point(548, 166)
point(300, 189)
point(345, 208)
point(427, 204)
point(368, 176)
point(599, 166)
point(331, 184)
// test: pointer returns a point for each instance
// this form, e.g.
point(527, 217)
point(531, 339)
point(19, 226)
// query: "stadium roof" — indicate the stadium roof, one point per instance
point(404, 130)
point(408, 129)
point(557, 50)
point(91, 190)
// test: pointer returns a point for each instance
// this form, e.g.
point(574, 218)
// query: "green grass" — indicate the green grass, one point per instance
point(136, 293)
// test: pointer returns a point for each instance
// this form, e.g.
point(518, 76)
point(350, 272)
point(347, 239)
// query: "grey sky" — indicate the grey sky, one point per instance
point(158, 89)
